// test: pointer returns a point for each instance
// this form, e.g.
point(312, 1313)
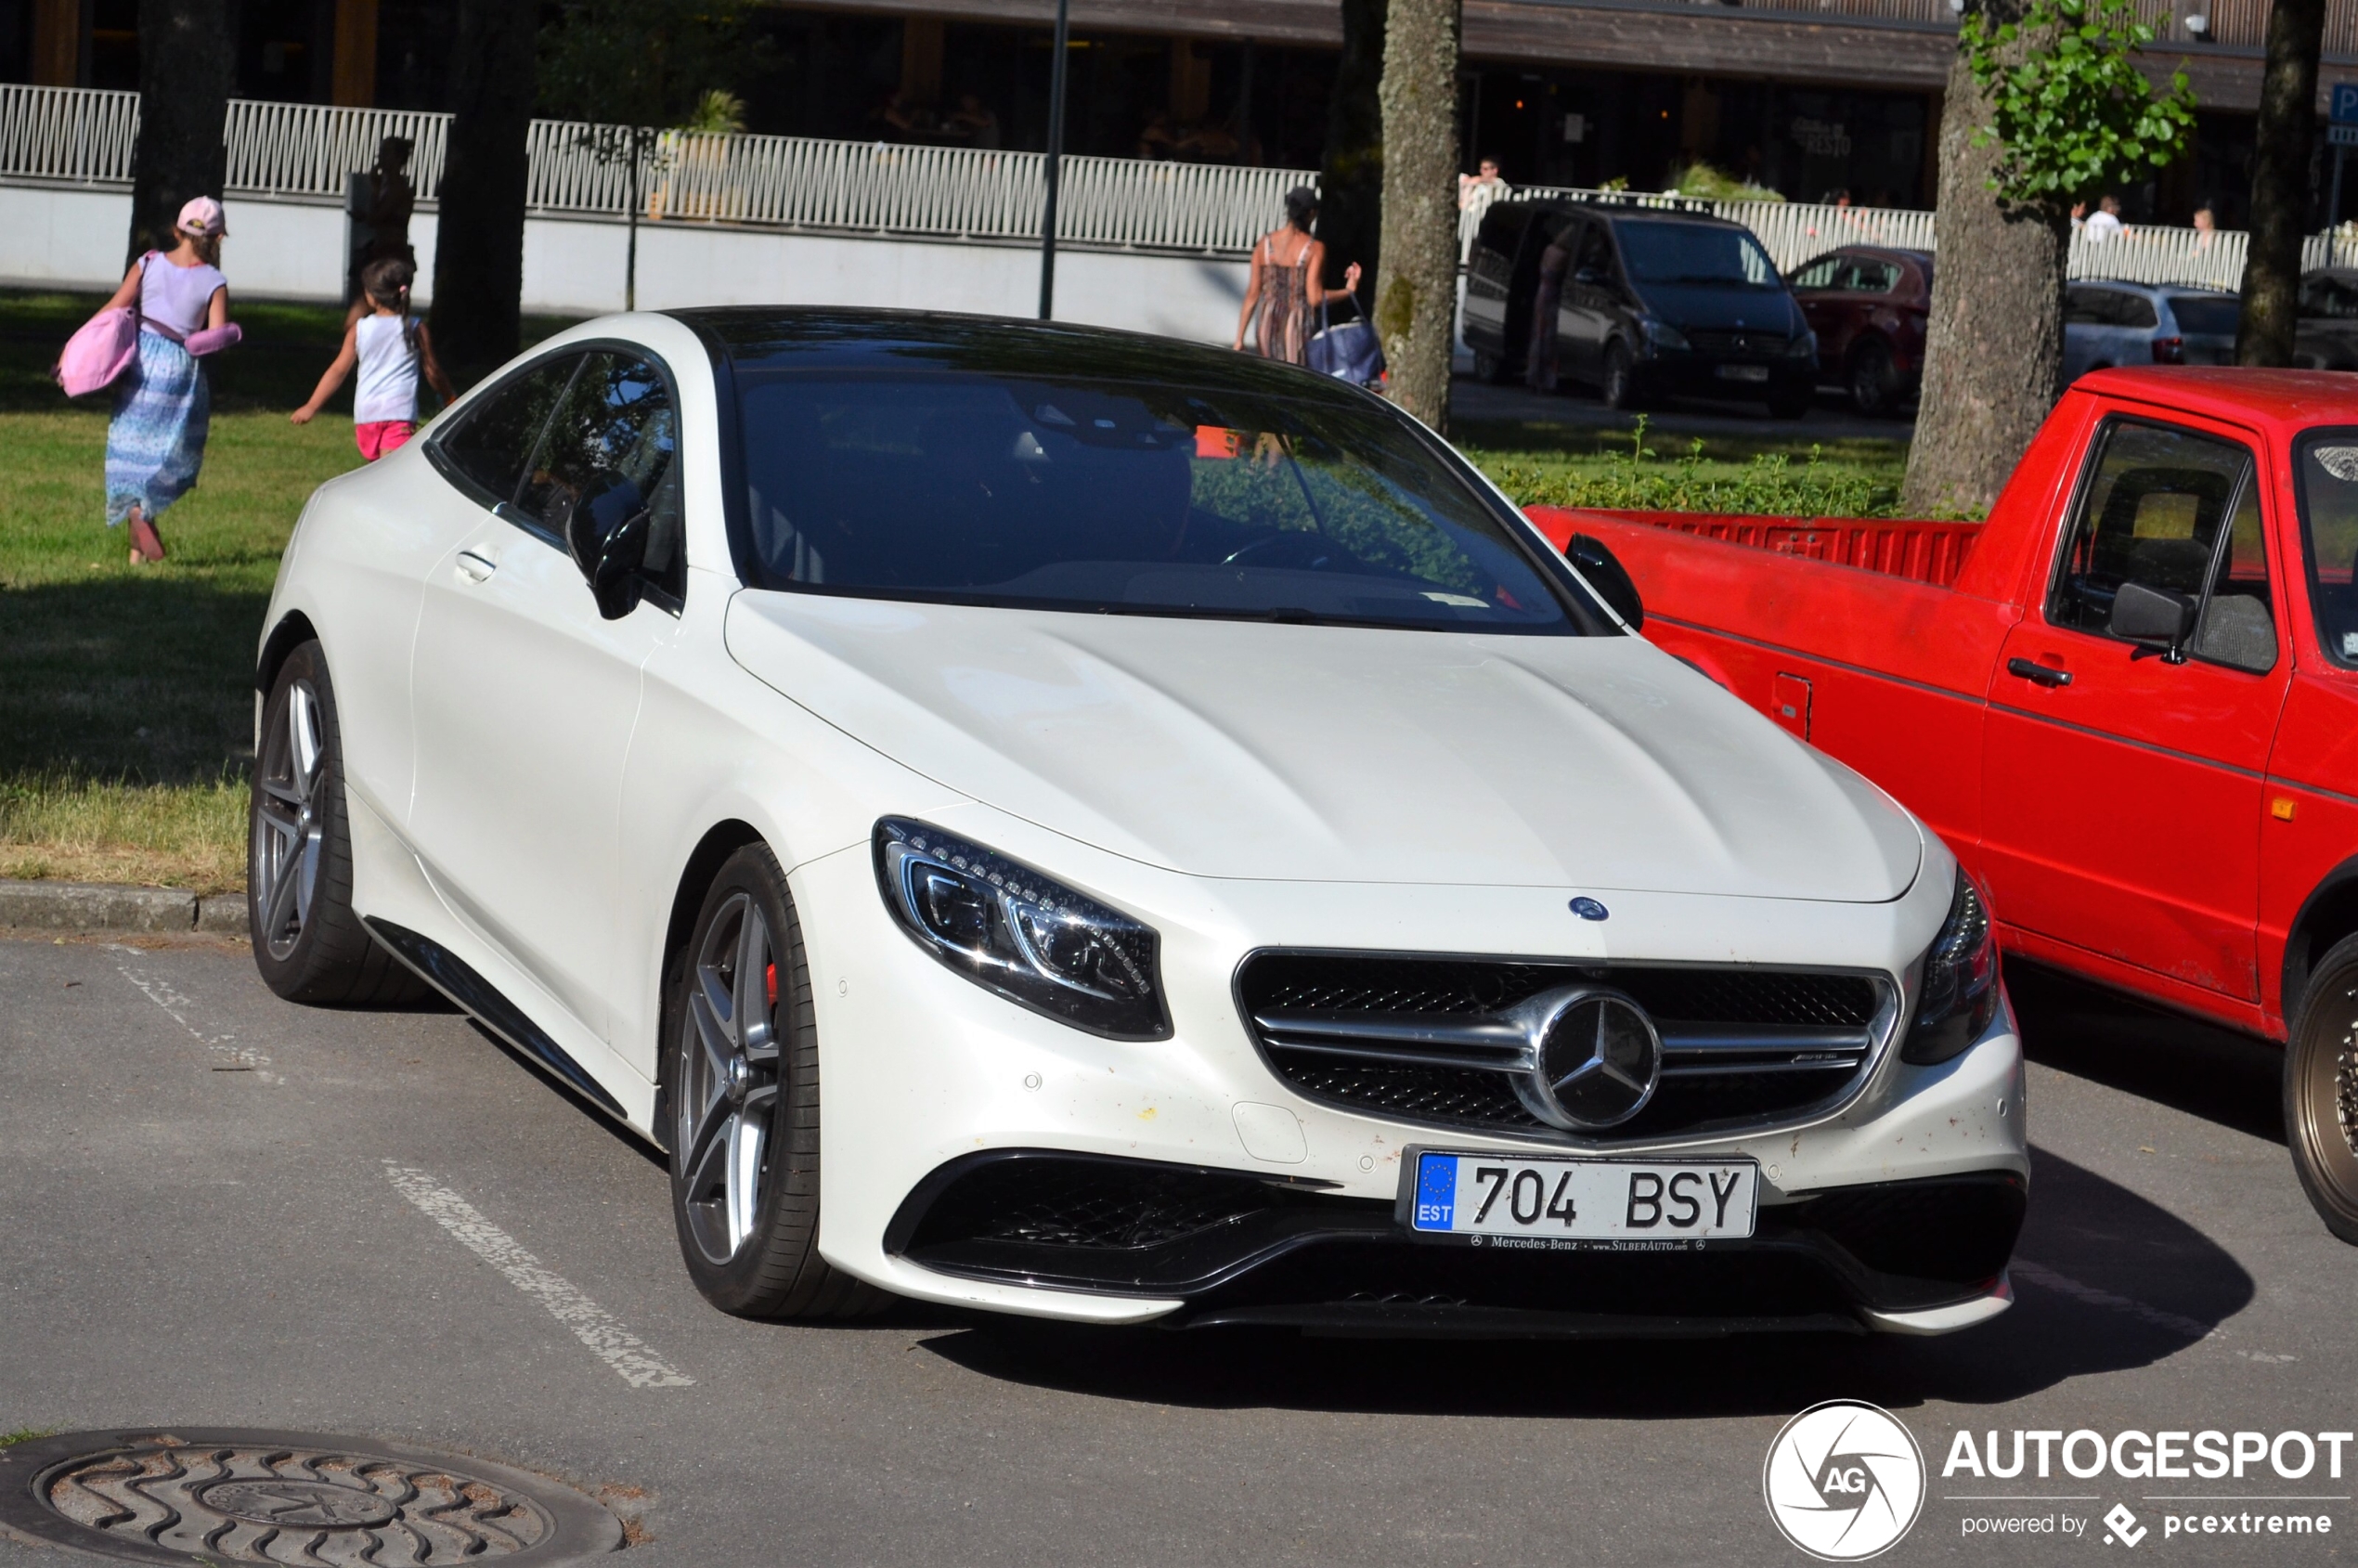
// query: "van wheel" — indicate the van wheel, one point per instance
point(741, 1105)
point(1619, 382)
point(2321, 1091)
point(307, 943)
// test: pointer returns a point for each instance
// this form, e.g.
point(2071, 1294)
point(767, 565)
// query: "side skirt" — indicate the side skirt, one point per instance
point(448, 974)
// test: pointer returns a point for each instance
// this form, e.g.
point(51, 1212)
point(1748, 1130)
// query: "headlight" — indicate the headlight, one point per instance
point(1803, 347)
point(1011, 930)
point(1960, 988)
point(1662, 334)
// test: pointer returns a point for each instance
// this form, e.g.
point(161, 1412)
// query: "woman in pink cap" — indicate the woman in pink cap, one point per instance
point(162, 406)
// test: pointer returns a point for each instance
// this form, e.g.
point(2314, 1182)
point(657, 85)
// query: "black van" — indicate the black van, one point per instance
point(1653, 301)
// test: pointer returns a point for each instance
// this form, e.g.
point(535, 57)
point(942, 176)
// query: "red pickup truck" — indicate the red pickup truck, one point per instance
point(2129, 701)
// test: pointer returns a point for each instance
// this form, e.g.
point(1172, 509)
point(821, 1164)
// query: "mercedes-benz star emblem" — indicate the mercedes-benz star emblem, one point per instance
point(1594, 1058)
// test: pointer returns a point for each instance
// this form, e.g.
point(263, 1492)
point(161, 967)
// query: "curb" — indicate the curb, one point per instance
point(107, 906)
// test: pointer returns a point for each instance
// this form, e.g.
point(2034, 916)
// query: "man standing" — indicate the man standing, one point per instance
point(2105, 221)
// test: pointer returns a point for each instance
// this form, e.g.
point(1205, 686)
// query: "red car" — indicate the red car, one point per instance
point(1868, 305)
point(2129, 701)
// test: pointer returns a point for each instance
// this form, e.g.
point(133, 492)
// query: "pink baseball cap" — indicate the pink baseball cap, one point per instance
point(201, 219)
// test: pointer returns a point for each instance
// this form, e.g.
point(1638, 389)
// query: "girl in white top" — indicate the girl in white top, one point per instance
point(390, 348)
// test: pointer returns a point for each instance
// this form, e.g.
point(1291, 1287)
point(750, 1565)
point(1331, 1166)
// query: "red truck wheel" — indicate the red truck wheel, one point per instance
point(2321, 1091)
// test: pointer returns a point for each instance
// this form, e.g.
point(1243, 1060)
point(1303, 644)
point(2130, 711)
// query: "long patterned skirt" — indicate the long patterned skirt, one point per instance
point(156, 444)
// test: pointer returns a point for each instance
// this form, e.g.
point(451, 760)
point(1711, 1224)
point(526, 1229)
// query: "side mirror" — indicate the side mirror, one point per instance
point(606, 528)
point(2153, 615)
point(1607, 575)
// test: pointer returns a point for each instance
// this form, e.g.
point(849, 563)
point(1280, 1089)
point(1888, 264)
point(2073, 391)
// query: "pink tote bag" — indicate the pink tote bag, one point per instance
point(99, 353)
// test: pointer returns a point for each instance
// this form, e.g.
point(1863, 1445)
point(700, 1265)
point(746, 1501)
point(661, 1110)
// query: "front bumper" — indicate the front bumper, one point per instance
point(923, 1071)
point(1700, 375)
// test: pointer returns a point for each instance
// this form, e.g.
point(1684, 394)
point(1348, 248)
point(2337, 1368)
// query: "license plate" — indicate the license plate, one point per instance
point(1744, 372)
point(1582, 1202)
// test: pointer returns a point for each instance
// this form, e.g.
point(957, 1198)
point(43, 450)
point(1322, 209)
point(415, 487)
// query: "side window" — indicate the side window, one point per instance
point(2238, 627)
point(490, 445)
point(1818, 274)
point(1878, 276)
point(2134, 310)
point(1595, 255)
point(2176, 511)
point(2329, 471)
point(616, 420)
point(2087, 308)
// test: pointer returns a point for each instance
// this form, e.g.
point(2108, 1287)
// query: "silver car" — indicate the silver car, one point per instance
point(2112, 323)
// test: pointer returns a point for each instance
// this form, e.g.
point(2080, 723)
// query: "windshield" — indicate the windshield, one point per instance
point(1693, 252)
point(2328, 469)
point(1111, 496)
point(2206, 315)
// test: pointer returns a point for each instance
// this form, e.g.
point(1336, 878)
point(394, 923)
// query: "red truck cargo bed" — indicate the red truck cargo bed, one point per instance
point(1924, 552)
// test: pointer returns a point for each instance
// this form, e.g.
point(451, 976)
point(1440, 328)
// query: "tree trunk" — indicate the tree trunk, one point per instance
point(1417, 305)
point(478, 259)
point(184, 98)
point(1351, 178)
point(1993, 352)
point(2281, 147)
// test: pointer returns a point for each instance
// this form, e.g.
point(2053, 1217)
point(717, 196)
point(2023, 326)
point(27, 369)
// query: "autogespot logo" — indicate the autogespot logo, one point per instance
point(1844, 1481)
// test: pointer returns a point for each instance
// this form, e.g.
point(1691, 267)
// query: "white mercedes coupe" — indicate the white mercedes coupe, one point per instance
point(1077, 824)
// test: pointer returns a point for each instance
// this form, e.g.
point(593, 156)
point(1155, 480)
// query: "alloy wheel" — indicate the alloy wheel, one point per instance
point(2328, 1110)
point(291, 806)
point(728, 1079)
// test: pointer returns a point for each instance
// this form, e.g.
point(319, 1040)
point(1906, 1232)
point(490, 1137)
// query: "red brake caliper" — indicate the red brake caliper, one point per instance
point(770, 976)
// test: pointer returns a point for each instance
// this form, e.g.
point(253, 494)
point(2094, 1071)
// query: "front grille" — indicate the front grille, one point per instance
point(1069, 1203)
point(1425, 1040)
point(1729, 345)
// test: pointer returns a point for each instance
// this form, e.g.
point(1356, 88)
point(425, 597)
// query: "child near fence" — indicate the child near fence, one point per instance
point(391, 347)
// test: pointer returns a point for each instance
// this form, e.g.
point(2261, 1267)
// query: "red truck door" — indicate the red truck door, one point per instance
point(2123, 790)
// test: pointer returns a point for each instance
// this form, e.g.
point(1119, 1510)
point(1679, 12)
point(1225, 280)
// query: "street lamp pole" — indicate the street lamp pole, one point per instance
point(1056, 156)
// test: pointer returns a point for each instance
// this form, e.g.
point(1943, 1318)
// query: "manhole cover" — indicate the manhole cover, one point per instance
point(289, 1497)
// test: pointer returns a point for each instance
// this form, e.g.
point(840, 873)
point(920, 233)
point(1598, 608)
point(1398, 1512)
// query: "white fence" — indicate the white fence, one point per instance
point(798, 184)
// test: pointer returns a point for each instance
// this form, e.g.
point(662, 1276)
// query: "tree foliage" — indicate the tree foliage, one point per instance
point(2071, 112)
point(639, 64)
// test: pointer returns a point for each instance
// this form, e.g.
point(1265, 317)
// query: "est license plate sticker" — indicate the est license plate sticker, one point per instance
point(1608, 1203)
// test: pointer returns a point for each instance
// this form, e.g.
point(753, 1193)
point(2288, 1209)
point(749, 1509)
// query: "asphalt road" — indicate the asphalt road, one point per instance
point(224, 1211)
point(1830, 419)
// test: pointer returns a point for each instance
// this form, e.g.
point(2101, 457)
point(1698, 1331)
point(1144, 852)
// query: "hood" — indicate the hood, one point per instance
point(1771, 312)
point(1295, 752)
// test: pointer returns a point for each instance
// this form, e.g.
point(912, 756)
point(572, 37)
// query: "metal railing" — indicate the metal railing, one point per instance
point(79, 136)
point(308, 150)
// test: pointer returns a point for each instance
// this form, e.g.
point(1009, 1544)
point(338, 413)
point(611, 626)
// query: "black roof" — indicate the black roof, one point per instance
point(813, 337)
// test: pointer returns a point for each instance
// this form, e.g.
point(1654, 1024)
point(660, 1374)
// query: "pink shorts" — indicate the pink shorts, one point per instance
point(380, 437)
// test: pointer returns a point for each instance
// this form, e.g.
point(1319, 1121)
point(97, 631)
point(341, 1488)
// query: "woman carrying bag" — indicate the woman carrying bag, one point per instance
point(163, 407)
point(1287, 284)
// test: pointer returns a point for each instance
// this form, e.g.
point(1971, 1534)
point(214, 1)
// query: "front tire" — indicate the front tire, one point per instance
point(307, 943)
point(741, 1095)
point(2321, 1090)
point(1871, 378)
point(1618, 385)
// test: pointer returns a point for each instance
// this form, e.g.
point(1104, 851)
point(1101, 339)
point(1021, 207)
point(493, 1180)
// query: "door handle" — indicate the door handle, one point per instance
point(475, 569)
point(2039, 674)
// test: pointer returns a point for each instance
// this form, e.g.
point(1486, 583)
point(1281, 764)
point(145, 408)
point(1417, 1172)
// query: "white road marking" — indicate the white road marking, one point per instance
point(236, 1058)
point(2048, 1279)
point(591, 1323)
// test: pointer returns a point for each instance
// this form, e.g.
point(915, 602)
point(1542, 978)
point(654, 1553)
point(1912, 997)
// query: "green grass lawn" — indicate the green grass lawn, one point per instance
point(127, 700)
point(126, 696)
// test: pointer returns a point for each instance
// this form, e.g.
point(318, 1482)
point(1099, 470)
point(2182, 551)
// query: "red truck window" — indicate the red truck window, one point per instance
point(2178, 511)
point(2329, 471)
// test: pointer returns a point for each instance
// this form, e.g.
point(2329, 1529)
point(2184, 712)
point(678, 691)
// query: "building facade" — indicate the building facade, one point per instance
point(1808, 97)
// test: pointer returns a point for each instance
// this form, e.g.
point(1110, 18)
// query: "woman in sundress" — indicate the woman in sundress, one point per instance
point(163, 407)
point(1288, 284)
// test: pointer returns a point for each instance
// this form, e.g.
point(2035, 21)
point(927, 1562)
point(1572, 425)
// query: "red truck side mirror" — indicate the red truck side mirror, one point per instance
point(2153, 615)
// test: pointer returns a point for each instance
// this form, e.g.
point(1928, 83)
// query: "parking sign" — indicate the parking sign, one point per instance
point(2345, 105)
